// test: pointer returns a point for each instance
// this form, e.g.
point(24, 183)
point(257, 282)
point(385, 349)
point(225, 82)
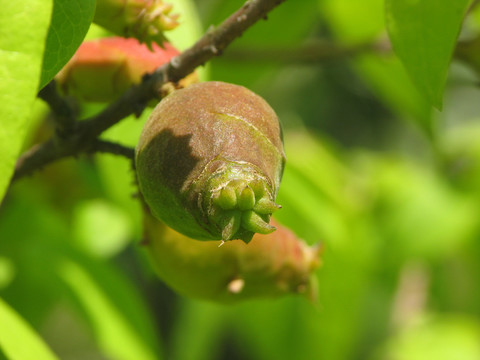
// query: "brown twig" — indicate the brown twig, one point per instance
point(103, 146)
point(134, 100)
point(64, 114)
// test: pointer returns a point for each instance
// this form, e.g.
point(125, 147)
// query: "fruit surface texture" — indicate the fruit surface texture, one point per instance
point(209, 162)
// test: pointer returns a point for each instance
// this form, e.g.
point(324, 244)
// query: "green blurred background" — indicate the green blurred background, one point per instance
point(388, 185)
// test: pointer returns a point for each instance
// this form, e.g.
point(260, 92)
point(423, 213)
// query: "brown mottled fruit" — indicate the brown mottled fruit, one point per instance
point(209, 162)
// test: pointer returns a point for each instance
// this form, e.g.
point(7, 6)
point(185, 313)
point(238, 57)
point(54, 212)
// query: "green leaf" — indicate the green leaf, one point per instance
point(18, 340)
point(70, 22)
point(21, 54)
point(423, 34)
point(121, 326)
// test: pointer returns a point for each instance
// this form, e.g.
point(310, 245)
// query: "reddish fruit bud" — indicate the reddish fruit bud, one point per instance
point(270, 265)
point(209, 162)
point(101, 70)
point(145, 20)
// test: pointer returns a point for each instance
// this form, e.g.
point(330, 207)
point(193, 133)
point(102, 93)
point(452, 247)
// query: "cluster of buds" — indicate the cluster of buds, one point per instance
point(145, 20)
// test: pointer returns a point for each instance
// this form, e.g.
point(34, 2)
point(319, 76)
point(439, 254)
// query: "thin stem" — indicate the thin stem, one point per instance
point(103, 146)
point(64, 115)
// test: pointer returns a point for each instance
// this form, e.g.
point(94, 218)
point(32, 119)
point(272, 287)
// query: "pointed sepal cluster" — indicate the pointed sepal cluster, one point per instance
point(145, 20)
point(241, 208)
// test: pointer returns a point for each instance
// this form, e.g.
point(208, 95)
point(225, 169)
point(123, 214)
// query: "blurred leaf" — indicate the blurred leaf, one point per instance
point(70, 22)
point(442, 338)
point(101, 228)
point(117, 173)
point(32, 234)
point(354, 22)
point(358, 23)
point(118, 317)
point(282, 329)
point(23, 25)
point(18, 340)
point(421, 215)
point(313, 191)
point(198, 330)
point(7, 271)
point(393, 86)
point(424, 34)
point(287, 25)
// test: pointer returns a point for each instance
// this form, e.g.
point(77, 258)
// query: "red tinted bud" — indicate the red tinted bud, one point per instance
point(101, 70)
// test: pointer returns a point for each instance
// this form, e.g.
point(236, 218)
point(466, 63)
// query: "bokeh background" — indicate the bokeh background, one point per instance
point(389, 186)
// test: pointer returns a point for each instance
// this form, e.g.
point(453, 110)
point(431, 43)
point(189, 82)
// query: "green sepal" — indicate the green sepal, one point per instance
point(231, 225)
point(226, 198)
point(253, 222)
point(266, 206)
point(246, 200)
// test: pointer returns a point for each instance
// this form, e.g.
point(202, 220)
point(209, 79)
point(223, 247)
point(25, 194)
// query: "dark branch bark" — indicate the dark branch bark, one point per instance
point(134, 100)
point(64, 114)
point(113, 148)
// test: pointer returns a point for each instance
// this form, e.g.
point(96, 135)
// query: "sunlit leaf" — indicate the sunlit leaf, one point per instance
point(197, 331)
point(18, 340)
point(354, 21)
point(118, 320)
point(23, 25)
point(101, 228)
point(70, 22)
point(424, 34)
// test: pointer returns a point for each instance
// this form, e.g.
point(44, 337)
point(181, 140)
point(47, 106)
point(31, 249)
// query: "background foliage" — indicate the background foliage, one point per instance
point(388, 183)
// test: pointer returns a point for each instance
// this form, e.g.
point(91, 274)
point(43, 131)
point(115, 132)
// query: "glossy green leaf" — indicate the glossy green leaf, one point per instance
point(424, 34)
point(18, 340)
point(23, 25)
point(121, 326)
point(70, 22)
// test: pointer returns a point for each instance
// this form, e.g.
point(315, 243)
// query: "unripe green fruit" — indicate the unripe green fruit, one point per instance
point(269, 266)
point(209, 162)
